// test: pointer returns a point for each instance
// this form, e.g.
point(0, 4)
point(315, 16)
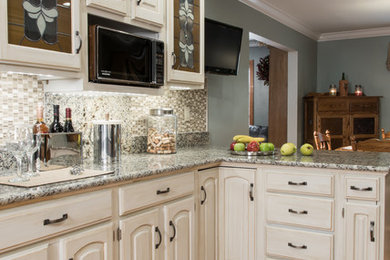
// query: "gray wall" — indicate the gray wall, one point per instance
point(260, 91)
point(364, 63)
point(228, 95)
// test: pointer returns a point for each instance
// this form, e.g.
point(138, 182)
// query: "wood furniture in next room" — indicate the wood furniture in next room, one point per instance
point(371, 145)
point(323, 141)
point(343, 117)
point(384, 134)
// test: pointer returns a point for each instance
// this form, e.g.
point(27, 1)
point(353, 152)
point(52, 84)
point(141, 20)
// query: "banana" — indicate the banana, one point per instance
point(259, 139)
point(236, 137)
point(248, 139)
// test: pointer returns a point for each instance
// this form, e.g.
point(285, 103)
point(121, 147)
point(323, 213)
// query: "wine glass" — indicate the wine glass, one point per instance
point(33, 142)
point(16, 145)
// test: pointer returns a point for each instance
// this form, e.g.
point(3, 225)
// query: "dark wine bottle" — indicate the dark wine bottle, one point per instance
point(56, 126)
point(68, 127)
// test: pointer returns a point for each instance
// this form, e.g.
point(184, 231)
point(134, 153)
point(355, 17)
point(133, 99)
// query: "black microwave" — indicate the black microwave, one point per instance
point(118, 57)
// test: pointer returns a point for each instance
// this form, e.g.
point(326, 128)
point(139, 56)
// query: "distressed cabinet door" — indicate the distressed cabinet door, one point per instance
point(361, 231)
point(118, 7)
point(179, 230)
point(40, 252)
point(94, 244)
point(185, 42)
point(142, 236)
point(148, 11)
point(237, 213)
point(41, 33)
point(208, 214)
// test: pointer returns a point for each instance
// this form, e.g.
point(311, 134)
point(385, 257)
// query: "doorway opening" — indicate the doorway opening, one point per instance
point(273, 100)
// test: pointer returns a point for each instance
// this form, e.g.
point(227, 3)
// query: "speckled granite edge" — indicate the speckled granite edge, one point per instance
point(142, 165)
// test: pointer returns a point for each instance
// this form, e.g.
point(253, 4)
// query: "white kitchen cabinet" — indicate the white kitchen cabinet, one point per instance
point(142, 236)
point(237, 213)
point(40, 252)
point(361, 231)
point(118, 7)
point(95, 243)
point(180, 230)
point(185, 44)
point(208, 214)
point(148, 11)
point(40, 36)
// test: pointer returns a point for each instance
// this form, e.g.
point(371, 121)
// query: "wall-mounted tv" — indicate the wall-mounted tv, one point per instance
point(222, 47)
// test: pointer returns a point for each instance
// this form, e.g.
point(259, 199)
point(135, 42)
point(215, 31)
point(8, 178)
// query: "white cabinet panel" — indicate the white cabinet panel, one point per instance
point(148, 11)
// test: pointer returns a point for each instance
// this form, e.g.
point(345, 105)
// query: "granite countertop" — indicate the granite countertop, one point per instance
point(141, 165)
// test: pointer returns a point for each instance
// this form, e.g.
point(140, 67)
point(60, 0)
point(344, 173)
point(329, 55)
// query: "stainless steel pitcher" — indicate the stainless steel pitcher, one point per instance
point(106, 141)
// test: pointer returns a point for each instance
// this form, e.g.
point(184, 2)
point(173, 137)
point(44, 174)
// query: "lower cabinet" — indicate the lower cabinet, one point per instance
point(361, 231)
point(237, 213)
point(40, 252)
point(95, 243)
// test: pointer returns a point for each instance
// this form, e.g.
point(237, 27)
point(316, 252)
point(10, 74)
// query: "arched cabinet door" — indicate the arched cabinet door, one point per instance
point(92, 244)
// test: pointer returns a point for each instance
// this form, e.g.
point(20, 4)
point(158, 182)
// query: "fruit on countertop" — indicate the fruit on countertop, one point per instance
point(239, 147)
point(267, 147)
point(288, 149)
point(232, 145)
point(247, 139)
point(253, 146)
point(307, 149)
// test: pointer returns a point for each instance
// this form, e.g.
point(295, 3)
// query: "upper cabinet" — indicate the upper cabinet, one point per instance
point(118, 7)
point(148, 11)
point(185, 43)
point(41, 33)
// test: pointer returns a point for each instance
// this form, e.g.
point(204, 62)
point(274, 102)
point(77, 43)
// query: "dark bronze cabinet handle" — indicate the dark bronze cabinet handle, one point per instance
point(138, 2)
point(297, 183)
point(159, 236)
point(251, 192)
point(372, 237)
point(174, 231)
point(163, 191)
point(58, 220)
point(297, 247)
point(303, 212)
point(205, 195)
point(81, 42)
point(361, 189)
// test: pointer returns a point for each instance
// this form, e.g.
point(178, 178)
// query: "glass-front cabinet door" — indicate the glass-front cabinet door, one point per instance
point(185, 45)
point(41, 33)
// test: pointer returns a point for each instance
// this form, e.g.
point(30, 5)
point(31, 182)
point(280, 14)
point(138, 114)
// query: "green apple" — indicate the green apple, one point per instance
point(271, 146)
point(239, 147)
point(307, 149)
point(264, 147)
point(288, 149)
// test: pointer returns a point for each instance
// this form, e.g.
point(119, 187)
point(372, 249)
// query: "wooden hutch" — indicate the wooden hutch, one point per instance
point(343, 116)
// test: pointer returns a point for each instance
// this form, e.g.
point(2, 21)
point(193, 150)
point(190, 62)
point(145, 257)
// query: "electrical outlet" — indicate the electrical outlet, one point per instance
point(187, 114)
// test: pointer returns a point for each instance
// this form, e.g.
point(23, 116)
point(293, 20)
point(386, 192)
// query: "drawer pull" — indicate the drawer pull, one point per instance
point(297, 183)
point(174, 231)
point(163, 191)
point(372, 236)
point(304, 212)
point(205, 195)
point(361, 189)
point(159, 236)
point(297, 247)
point(251, 192)
point(58, 220)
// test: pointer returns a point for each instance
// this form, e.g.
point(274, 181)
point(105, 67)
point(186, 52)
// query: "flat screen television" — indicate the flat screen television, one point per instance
point(222, 47)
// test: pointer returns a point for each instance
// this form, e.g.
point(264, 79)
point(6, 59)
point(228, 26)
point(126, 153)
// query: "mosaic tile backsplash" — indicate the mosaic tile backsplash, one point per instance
point(20, 95)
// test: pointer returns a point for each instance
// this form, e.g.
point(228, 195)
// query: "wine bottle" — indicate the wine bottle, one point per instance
point(68, 127)
point(56, 126)
point(40, 127)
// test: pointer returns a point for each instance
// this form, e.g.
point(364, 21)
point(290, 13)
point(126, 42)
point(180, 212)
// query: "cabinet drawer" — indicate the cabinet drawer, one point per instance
point(332, 105)
point(304, 183)
point(300, 211)
point(363, 107)
point(143, 194)
point(362, 188)
point(44, 219)
point(294, 244)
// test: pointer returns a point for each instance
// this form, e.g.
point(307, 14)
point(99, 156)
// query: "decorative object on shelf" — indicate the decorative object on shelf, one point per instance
point(332, 90)
point(358, 90)
point(343, 86)
point(263, 70)
point(43, 24)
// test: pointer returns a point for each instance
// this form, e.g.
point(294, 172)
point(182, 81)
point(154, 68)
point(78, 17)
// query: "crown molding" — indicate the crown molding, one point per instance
point(355, 34)
point(281, 17)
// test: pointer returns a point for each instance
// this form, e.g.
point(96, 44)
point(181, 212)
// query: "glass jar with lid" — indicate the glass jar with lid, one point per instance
point(162, 131)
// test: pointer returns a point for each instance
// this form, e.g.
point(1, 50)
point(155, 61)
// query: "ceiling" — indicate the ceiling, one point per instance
point(323, 19)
